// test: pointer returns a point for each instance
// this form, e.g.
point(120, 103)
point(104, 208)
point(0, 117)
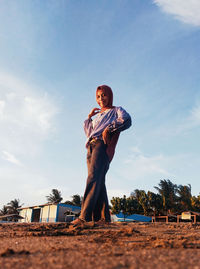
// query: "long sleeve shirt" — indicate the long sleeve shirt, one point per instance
point(116, 119)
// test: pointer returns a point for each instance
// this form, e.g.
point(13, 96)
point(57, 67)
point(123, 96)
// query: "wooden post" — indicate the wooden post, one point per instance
point(195, 219)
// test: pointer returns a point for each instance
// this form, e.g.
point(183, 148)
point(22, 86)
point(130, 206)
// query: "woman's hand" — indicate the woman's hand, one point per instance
point(93, 112)
point(106, 136)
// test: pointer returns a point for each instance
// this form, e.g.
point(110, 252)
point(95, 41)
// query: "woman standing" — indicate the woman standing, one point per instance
point(102, 133)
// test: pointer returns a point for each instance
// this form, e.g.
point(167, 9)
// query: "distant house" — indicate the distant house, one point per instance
point(10, 218)
point(134, 218)
point(49, 213)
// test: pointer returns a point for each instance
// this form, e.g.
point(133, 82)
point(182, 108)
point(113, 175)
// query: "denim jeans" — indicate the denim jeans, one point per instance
point(95, 201)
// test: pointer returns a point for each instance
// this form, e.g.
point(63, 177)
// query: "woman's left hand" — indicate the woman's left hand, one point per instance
point(106, 136)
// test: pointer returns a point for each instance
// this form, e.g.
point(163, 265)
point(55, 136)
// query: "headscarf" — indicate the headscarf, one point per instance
point(114, 137)
point(108, 91)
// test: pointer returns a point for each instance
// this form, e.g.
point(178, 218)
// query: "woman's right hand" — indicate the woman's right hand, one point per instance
point(93, 112)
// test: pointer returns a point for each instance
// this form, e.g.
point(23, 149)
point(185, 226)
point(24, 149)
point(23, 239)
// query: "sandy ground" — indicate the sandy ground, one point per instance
point(116, 246)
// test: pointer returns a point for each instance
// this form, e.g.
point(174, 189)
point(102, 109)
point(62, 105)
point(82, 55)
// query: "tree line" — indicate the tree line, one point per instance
point(170, 198)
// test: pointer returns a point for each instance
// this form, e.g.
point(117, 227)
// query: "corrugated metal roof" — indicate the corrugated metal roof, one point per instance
point(60, 204)
point(134, 217)
point(11, 216)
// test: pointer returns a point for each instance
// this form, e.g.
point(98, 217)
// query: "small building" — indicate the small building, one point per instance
point(10, 218)
point(189, 216)
point(48, 213)
point(133, 218)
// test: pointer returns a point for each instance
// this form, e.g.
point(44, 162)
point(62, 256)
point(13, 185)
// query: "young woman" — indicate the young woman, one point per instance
point(102, 133)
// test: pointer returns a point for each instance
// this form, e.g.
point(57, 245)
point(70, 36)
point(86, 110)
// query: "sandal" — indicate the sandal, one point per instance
point(78, 222)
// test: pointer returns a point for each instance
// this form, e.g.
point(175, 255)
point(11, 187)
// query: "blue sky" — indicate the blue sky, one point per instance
point(53, 55)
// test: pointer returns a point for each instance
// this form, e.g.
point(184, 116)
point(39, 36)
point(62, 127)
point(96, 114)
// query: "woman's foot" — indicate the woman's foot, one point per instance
point(102, 222)
point(78, 222)
point(82, 223)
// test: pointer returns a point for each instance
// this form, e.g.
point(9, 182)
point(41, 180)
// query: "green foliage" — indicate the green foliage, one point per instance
point(170, 199)
point(125, 205)
point(13, 205)
point(195, 203)
point(154, 202)
point(184, 197)
point(54, 197)
point(141, 197)
point(76, 200)
point(4, 210)
point(168, 191)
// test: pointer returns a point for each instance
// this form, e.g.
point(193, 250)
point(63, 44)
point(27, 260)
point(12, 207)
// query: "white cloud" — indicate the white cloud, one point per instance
point(195, 114)
point(188, 123)
point(27, 120)
point(141, 171)
point(144, 171)
point(144, 165)
point(22, 183)
point(187, 11)
point(39, 112)
point(26, 116)
point(179, 125)
point(2, 105)
point(10, 158)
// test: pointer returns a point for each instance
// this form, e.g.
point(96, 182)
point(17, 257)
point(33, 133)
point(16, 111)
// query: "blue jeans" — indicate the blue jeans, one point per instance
point(95, 201)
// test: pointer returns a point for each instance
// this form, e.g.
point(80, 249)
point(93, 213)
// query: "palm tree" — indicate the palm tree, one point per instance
point(116, 205)
point(124, 205)
point(155, 202)
point(76, 199)
point(168, 192)
point(185, 197)
point(4, 210)
point(13, 205)
point(142, 199)
point(54, 197)
point(195, 203)
point(136, 194)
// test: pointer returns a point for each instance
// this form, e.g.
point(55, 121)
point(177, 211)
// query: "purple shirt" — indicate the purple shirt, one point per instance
point(116, 119)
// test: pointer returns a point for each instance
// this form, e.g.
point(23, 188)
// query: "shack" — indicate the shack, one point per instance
point(48, 213)
point(189, 216)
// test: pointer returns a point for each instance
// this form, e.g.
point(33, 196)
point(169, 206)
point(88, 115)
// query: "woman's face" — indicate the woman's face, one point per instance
point(102, 99)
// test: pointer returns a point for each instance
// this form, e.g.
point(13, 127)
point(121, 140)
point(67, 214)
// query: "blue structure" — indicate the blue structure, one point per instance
point(134, 217)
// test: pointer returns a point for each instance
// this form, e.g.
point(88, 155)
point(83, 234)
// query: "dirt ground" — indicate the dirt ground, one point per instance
point(116, 246)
